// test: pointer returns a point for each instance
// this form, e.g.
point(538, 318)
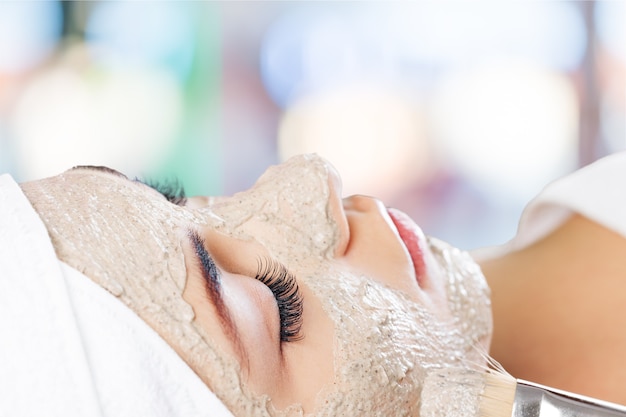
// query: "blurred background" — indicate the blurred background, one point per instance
point(457, 113)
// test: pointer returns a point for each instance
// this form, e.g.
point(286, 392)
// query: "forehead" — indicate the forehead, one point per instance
point(83, 174)
point(105, 181)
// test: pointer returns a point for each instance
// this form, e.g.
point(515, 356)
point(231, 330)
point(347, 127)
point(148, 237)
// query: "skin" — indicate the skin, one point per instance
point(368, 244)
point(558, 310)
point(98, 218)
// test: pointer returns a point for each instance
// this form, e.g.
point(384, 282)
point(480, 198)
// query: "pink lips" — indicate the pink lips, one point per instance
point(413, 239)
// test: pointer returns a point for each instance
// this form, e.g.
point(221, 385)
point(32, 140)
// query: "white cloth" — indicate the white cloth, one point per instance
point(597, 191)
point(69, 348)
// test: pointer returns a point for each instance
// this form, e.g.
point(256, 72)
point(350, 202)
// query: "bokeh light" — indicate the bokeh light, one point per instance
point(164, 38)
point(115, 118)
point(373, 136)
point(509, 125)
point(455, 112)
point(315, 47)
point(29, 32)
point(610, 19)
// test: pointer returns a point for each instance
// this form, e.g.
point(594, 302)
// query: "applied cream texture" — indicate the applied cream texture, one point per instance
point(385, 343)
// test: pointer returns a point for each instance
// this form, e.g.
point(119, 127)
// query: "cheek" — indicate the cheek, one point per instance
point(468, 298)
point(254, 342)
point(384, 343)
point(309, 362)
point(255, 314)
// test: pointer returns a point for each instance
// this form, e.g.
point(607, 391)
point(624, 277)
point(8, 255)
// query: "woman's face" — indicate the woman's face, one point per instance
point(282, 297)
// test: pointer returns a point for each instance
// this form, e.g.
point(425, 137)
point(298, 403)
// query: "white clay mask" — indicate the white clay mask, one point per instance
point(384, 342)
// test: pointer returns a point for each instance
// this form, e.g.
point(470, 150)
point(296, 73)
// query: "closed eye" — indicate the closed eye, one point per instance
point(284, 286)
point(274, 275)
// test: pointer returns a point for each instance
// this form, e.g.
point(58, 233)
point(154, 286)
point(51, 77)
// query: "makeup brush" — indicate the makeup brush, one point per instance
point(456, 392)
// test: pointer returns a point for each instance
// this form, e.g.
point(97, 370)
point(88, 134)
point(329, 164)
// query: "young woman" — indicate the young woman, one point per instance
point(283, 299)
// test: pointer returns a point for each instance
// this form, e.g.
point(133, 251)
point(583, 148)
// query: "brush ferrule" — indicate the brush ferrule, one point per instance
point(534, 400)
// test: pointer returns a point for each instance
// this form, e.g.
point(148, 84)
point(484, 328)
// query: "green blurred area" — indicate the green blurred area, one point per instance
point(195, 160)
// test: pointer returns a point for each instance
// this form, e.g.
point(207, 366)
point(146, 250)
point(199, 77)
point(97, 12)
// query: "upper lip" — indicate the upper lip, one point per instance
point(413, 239)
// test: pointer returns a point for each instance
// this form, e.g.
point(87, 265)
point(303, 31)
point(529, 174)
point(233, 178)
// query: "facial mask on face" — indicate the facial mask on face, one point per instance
point(285, 211)
point(127, 239)
point(384, 343)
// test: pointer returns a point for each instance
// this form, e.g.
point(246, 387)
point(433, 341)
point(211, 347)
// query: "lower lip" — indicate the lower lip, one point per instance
point(413, 239)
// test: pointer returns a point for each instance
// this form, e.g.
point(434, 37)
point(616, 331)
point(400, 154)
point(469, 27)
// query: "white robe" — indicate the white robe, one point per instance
point(596, 191)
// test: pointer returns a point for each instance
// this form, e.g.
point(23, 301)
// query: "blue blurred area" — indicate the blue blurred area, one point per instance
point(432, 106)
point(610, 20)
point(29, 32)
point(164, 38)
point(320, 45)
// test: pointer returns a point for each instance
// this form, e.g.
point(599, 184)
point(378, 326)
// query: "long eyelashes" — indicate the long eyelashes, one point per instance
point(272, 274)
point(171, 189)
point(285, 289)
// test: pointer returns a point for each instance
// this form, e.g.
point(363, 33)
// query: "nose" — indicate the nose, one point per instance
point(307, 168)
point(309, 189)
point(293, 207)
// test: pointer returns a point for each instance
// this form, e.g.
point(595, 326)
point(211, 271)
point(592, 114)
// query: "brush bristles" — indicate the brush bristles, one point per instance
point(498, 395)
point(482, 389)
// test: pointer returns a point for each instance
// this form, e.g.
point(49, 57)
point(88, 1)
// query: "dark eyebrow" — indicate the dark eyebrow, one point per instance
point(172, 191)
point(213, 286)
point(101, 169)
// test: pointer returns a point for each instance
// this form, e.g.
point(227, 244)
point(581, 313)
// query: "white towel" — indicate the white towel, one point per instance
point(69, 348)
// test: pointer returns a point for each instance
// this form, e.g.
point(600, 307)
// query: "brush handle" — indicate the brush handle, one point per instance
point(534, 400)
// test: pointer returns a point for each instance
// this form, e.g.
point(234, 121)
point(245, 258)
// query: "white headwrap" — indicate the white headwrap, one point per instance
point(68, 347)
